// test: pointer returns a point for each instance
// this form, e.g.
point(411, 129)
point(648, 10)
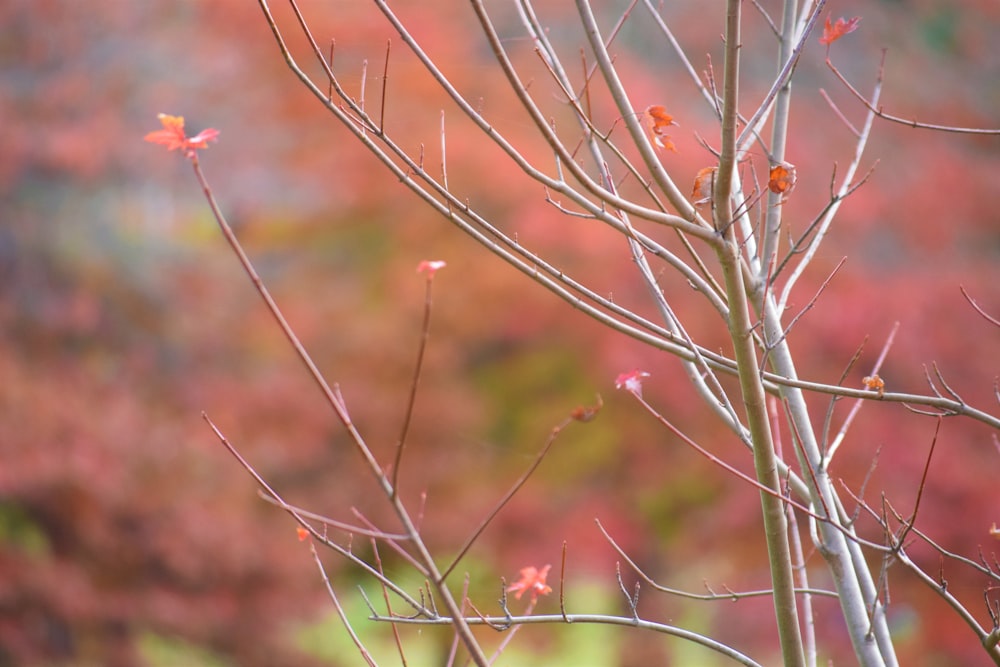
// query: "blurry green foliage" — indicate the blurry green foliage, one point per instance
point(162, 651)
point(20, 534)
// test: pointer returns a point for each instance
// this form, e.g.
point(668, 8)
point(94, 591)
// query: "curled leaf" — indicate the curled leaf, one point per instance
point(657, 120)
point(834, 31)
point(781, 179)
point(704, 186)
point(874, 383)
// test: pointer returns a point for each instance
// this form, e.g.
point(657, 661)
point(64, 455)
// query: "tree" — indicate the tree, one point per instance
point(598, 157)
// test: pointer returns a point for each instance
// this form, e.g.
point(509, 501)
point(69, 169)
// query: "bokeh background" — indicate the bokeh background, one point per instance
point(129, 537)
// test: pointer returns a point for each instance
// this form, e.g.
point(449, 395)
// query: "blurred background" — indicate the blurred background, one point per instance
point(128, 536)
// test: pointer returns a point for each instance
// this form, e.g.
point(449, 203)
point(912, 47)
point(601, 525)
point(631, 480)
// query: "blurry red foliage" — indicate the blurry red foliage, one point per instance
point(121, 319)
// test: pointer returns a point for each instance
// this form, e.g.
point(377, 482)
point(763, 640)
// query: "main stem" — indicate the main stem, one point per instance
point(862, 611)
point(752, 389)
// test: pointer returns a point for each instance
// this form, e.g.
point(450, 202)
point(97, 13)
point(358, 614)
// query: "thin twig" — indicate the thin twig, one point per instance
point(730, 595)
point(507, 496)
point(287, 330)
point(602, 619)
point(908, 526)
point(979, 309)
point(340, 610)
point(444, 155)
point(403, 553)
point(364, 85)
point(876, 108)
point(809, 305)
point(842, 433)
point(385, 87)
point(333, 523)
point(562, 583)
point(840, 114)
point(828, 418)
point(784, 74)
point(425, 328)
point(388, 603)
point(346, 553)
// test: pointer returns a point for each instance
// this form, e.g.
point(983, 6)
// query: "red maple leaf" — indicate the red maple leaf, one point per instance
point(631, 382)
point(430, 267)
point(174, 137)
point(833, 32)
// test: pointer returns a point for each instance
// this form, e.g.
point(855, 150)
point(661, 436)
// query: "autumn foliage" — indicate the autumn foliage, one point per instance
point(128, 535)
point(658, 120)
point(174, 137)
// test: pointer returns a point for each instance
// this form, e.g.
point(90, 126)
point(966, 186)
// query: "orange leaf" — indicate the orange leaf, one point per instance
point(704, 186)
point(833, 32)
point(874, 383)
point(302, 533)
point(172, 135)
point(994, 531)
point(657, 120)
point(781, 179)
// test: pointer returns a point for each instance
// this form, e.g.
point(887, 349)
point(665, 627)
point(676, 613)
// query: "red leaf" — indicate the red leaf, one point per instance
point(532, 580)
point(430, 267)
point(201, 139)
point(172, 135)
point(631, 382)
point(174, 138)
point(833, 32)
